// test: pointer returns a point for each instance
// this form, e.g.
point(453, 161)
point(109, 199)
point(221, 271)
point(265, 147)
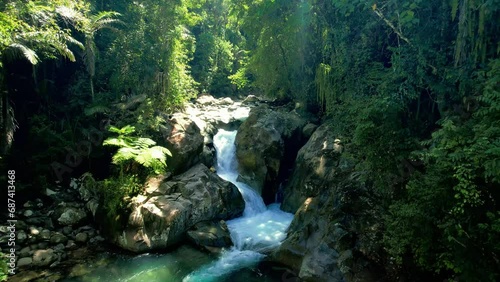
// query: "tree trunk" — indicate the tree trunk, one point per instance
point(92, 88)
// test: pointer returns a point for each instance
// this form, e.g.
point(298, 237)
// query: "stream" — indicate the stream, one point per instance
point(260, 229)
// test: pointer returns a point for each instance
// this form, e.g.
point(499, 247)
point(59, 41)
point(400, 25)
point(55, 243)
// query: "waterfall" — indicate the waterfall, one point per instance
point(260, 228)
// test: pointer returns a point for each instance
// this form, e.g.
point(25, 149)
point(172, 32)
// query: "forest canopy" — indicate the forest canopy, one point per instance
point(403, 81)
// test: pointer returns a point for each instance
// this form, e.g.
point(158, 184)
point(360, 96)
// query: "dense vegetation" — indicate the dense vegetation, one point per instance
point(412, 87)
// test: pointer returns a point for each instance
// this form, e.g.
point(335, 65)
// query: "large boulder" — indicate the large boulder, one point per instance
point(182, 137)
point(161, 216)
point(211, 235)
point(316, 165)
point(266, 144)
point(331, 237)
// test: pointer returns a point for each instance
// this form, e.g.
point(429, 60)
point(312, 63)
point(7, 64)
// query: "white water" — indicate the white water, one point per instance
point(259, 229)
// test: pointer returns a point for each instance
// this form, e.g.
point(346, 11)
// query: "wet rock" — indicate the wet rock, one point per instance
point(212, 234)
point(250, 99)
point(175, 206)
point(44, 257)
point(226, 101)
point(205, 99)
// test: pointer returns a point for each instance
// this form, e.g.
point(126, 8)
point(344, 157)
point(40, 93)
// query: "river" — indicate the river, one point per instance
point(260, 229)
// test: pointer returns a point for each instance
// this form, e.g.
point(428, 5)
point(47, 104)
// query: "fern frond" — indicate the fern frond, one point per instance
point(119, 142)
point(125, 154)
point(122, 131)
point(96, 109)
point(144, 142)
point(20, 50)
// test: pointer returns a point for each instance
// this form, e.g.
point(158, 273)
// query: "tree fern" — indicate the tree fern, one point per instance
point(137, 149)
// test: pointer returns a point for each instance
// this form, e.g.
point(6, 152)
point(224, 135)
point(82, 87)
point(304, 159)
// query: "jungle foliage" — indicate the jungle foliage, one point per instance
point(413, 87)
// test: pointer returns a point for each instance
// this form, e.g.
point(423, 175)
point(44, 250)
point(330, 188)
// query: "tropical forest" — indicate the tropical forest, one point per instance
point(250, 140)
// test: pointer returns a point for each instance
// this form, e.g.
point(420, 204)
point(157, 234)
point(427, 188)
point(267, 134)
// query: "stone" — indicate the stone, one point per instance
point(71, 245)
point(34, 230)
point(58, 238)
point(331, 235)
point(226, 101)
point(210, 235)
point(250, 99)
point(59, 247)
point(72, 216)
point(315, 165)
point(21, 237)
point(25, 252)
point(177, 205)
point(81, 237)
point(28, 213)
point(45, 235)
point(183, 138)
point(24, 261)
point(44, 257)
point(21, 225)
point(205, 99)
point(266, 144)
point(42, 245)
point(308, 130)
point(41, 221)
point(96, 240)
point(67, 230)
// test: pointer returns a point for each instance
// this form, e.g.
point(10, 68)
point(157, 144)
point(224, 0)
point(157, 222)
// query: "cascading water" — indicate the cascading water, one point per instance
point(260, 228)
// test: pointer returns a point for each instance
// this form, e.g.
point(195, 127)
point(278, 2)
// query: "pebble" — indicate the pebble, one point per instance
point(45, 234)
point(28, 213)
point(34, 231)
point(21, 236)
